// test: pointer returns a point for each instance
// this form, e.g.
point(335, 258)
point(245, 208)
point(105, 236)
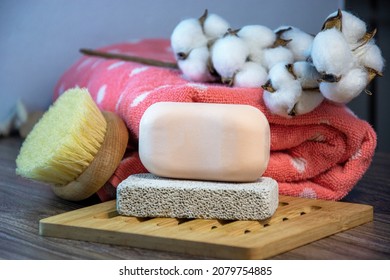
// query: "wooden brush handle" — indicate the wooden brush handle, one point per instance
point(104, 164)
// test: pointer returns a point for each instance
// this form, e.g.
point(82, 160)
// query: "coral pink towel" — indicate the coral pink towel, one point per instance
point(318, 155)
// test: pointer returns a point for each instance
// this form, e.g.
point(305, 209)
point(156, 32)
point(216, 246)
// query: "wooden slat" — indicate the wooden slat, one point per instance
point(296, 222)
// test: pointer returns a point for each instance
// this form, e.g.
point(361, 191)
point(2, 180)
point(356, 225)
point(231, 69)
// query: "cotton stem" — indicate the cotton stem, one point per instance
point(143, 60)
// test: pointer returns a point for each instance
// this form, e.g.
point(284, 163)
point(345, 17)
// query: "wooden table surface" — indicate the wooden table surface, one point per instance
point(23, 203)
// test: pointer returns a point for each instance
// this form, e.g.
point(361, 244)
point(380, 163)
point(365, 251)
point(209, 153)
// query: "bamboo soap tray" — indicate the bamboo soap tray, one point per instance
point(297, 221)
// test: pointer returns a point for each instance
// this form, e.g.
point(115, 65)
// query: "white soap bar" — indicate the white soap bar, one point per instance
point(202, 141)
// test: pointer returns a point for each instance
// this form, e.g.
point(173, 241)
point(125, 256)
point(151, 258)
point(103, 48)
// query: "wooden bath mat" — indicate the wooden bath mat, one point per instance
point(297, 221)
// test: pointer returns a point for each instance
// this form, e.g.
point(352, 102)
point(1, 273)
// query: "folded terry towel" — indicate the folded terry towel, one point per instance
point(318, 155)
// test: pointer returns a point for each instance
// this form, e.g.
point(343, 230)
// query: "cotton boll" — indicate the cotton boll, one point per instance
point(281, 29)
point(250, 75)
point(333, 21)
point(195, 66)
point(282, 101)
point(187, 35)
point(273, 56)
point(353, 28)
point(258, 36)
point(300, 43)
point(228, 55)
point(308, 101)
point(331, 53)
point(279, 75)
point(350, 86)
point(306, 73)
point(370, 56)
point(215, 26)
point(256, 55)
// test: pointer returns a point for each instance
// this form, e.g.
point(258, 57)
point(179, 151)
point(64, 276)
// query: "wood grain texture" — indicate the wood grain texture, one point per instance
point(23, 203)
point(296, 222)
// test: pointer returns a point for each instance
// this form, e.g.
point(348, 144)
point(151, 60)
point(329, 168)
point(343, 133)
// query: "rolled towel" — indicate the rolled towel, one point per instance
point(321, 154)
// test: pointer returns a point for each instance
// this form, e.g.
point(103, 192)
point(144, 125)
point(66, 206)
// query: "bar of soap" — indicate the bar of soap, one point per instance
point(147, 195)
point(202, 141)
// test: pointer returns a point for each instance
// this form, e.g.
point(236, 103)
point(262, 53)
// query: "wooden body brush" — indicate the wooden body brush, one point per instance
point(74, 147)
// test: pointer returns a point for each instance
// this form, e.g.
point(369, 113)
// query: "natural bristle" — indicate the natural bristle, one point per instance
point(65, 141)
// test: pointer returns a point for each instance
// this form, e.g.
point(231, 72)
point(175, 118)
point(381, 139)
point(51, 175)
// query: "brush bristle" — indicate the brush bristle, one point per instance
point(65, 140)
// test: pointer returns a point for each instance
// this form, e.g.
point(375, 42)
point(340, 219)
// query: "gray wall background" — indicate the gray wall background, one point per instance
point(40, 39)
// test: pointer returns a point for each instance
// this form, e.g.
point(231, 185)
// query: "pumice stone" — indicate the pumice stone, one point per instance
point(204, 141)
point(147, 195)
